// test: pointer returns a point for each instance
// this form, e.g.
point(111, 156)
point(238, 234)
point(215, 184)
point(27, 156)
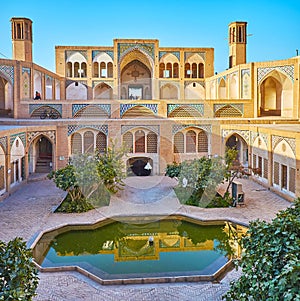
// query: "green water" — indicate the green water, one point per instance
point(120, 249)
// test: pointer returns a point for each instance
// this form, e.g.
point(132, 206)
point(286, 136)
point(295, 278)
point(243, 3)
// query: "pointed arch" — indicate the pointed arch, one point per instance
point(138, 111)
point(185, 111)
point(76, 143)
point(233, 87)
point(91, 111)
point(222, 89)
point(194, 91)
point(169, 91)
point(76, 90)
point(228, 111)
point(238, 142)
point(103, 91)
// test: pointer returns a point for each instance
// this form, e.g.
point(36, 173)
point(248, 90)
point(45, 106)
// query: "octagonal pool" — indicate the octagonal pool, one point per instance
point(141, 249)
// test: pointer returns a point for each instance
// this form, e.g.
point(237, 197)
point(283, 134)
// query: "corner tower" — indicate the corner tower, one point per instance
point(21, 30)
point(237, 43)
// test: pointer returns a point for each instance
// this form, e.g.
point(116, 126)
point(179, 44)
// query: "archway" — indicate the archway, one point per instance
point(139, 166)
point(237, 142)
point(41, 155)
point(136, 81)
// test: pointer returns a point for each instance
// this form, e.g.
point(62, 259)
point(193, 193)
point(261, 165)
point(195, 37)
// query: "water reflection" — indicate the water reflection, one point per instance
point(164, 246)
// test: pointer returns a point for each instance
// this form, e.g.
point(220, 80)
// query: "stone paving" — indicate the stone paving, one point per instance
point(30, 210)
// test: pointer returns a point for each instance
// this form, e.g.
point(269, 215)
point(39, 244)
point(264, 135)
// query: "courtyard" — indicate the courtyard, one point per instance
point(29, 211)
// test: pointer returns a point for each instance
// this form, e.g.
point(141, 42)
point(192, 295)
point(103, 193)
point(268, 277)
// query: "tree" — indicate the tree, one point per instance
point(270, 261)
point(110, 167)
point(198, 179)
point(18, 274)
point(66, 179)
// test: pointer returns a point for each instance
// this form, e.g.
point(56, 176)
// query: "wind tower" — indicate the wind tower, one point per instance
point(237, 43)
point(21, 30)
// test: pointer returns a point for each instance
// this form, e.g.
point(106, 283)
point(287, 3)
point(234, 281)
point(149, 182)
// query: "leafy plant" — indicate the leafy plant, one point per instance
point(271, 260)
point(173, 170)
point(110, 167)
point(18, 274)
point(198, 180)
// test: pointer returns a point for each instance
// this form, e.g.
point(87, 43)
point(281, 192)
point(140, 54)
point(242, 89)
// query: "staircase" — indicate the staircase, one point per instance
point(43, 166)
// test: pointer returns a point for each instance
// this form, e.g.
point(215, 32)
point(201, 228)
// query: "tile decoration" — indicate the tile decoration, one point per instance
point(8, 72)
point(179, 127)
point(162, 53)
point(13, 137)
point(243, 133)
point(199, 107)
point(238, 106)
point(33, 107)
point(246, 82)
point(49, 134)
point(153, 128)
point(264, 137)
point(290, 141)
point(96, 52)
point(78, 107)
point(287, 70)
point(68, 53)
point(101, 127)
point(124, 48)
point(3, 143)
point(127, 106)
point(26, 70)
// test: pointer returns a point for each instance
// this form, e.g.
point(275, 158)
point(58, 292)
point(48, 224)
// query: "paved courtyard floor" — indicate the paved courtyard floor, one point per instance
point(29, 210)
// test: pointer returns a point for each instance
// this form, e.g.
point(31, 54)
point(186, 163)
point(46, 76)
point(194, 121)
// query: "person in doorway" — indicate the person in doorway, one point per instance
point(37, 95)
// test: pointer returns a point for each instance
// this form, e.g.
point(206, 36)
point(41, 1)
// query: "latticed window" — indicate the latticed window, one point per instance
point(179, 143)
point(101, 142)
point(284, 176)
point(259, 165)
point(265, 168)
point(139, 141)
point(88, 142)
point(151, 143)
point(292, 180)
point(228, 111)
point(76, 144)
point(276, 173)
point(190, 142)
point(202, 142)
point(128, 142)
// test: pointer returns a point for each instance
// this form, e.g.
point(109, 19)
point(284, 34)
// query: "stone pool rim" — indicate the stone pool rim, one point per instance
point(219, 274)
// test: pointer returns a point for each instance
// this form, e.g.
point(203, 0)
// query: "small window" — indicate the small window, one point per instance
point(103, 72)
point(166, 73)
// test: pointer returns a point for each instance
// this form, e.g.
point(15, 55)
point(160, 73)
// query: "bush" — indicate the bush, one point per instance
point(18, 274)
point(270, 262)
point(74, 205)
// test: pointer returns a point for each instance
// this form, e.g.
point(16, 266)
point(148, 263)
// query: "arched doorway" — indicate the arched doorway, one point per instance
point(43, 151)
point(139, 166)
point(237, 142)
point(136, 81)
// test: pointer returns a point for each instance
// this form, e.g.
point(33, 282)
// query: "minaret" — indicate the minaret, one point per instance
point(237, 43)
point(21, 30)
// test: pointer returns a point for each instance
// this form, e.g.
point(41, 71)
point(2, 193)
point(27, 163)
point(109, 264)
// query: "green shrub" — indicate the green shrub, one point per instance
point(71, 205)
point(270, 261)
point(18, 274)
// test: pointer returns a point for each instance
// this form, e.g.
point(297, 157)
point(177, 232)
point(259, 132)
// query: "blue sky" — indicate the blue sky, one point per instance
point(275, 27)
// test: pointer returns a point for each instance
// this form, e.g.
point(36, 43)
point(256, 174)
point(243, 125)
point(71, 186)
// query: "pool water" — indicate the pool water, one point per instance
point(139, 249)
